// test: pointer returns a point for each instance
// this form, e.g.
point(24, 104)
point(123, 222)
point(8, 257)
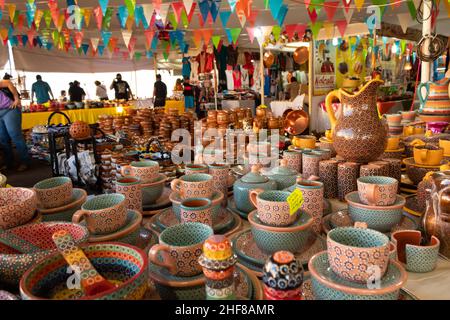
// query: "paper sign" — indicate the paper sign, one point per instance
point(295, 201)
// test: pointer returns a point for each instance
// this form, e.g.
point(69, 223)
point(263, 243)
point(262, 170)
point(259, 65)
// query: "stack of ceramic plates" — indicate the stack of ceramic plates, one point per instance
point(416, 172)
point(65, 212)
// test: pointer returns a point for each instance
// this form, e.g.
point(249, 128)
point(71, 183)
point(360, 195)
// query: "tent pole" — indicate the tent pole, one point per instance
point(310, 80)
point(261, 71)
point(426, 30)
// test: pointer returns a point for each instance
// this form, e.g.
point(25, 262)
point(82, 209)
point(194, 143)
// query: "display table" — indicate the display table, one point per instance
point(31, 119)
point(233, 104)
point(174, 104)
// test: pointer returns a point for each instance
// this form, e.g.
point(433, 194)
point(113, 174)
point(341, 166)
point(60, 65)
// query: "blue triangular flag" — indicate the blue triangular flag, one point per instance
point(31, 11)
point(39, 41)
point(149, 54)
point(232, 4)
point(139, 16)
point(85, 47)
point(214, 9)
point(100, 49)
point(184, 47)
point(154, 42)
point(275, 6)
point(228, 32)
point(282, 14)
point(103, 5)
point(224, 17)
point(173, 37)
point(180, 36)
point(49, 46)
point(123, 15)
point(24, 39)
point(106, 35)
point(204, 9)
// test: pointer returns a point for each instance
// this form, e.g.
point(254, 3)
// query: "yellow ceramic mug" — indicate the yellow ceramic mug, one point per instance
point(304, 142)
point(445, 144)
point(428, 155)
point(410, 130)
point(392, 143)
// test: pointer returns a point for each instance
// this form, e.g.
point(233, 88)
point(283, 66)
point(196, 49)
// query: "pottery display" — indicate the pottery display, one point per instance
point(294, 160)
point(196, 210)
point(416, 256)
point(359, 134)
point(326, 285)
point(79, 130)
point(193, 185)
point(304, 142)
point(310, 164)
point(108, 258)
point(384, 167)
point(348, 173)
point(153, 191)
point(417, 172)
point(428, 155)
point(145, 170)
point(312, 201)
point(377, 190)
point(393, 119)
point(282, 277)
point(131, 188)
point(180, 247)
point(17, 206)
point(216, 201)
point(53, 192)
point(434, 98)
point(328, 174)
point(271, 239)
point(392, 143)
point(370, 170)
point(408, 115)
point(283, 175)
point(272, 206)
point(65, 212)
point(192, 168)
point(252, 180)
point(437, 127)
point(380, 218)
point(220, 174)
point(17, 255)
point(354, 251)
point(104, 214)
point(395, 168)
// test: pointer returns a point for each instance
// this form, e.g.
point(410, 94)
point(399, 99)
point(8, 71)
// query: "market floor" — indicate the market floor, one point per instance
point(39, 170)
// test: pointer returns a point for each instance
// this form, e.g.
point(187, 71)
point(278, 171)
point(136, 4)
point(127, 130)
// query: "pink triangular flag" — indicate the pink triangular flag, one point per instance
point(330, 9)
point(251, 34)
point(342, 26)
point(290, 30)
point(312, 15)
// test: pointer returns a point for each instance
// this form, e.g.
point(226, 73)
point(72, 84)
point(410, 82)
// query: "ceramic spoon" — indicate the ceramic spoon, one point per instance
point(91, 281)
point(11, 240)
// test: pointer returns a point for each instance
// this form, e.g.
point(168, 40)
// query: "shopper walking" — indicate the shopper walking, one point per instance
point(11, 127)
point(76, 93)
point(159, 92)
point(100, 91)
point(121, 88)
point(42, 91)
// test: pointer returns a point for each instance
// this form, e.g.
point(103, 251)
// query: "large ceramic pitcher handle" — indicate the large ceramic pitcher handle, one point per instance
point(166, 262)
point(423, 98)
point(329, 105)
point(78, 216)
point(253, 194)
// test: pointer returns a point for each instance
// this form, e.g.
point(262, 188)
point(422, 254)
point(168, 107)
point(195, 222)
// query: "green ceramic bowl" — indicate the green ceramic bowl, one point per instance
point(380, 218)
point(271, 239)
point(153, 191)
point(326, 285)
point(216, 201)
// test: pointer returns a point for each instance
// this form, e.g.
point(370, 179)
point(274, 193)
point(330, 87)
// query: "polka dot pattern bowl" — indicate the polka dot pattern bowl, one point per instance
point(17, 206)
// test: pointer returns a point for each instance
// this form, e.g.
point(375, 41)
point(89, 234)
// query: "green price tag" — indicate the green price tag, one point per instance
point(295, 201)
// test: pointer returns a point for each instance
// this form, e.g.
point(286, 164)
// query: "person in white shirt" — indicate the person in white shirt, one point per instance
point(100, 91)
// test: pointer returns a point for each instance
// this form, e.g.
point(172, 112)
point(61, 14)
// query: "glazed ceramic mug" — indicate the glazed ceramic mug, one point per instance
point(357, 253)
point(408, 115)
point(377, 190)
point(180, 247)
point(196, 210)
point(428, 155)
point(53, 192)
point(273, 208)
point(445, 144)
point(192, 168)
point(393, 119)
point(146, 170)
point(194, 185)
point(305, 142)
point(104, 214)
point(131, 188)
point(392, 143)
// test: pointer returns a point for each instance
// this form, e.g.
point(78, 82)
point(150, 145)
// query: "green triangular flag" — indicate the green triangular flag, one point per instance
point(173, 20)
point(315, 28)
point(276, 31)
point(381, 4)
point(371, 42)
point(216, 41)
point(235, 32)
point(316, 5)
point(184, 19)
point(131, 5)
point(165, 55)
point(412, 9)
point(266, 4)
point(47, 18)
point(403, 45)
point(137, 56)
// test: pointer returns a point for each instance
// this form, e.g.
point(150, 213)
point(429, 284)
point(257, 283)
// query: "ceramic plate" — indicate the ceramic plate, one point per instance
point(162, 203)
point(342, 219)
point(133, 220)
point(410, 162)
point(247, 285)
point(396, 150)
point(309, 295)
point(167, 219)
point(77, 195)
point(247, 250)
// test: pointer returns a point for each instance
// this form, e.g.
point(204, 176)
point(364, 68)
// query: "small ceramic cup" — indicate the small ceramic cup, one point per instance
point(310, 164)
point(146, 170)
point(416, 257)
point(357, 253)
point(198, 185)
point(180, 247)
point(53, 192)
point(408, 115)
point(377, 190)
point(294, 159)
point(104, 214)
point(392, 143)
point(192, 168)
point(130, 187)
point(370, 170)
point(312, 200)
point(273, 208)
point(445, 144)
point(196, 210)
point(428, 155)
point(393, 119)
point(305, 141)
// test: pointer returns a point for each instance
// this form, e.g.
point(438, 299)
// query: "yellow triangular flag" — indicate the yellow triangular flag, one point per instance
point(129, 24)
point(4, 33)
point(12, 11)
point(87, 16)
point(359, 4)
point(61, 20)
point(38, 17)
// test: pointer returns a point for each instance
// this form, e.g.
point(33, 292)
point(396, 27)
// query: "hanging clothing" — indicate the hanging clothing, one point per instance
point(232, 56)
point(209, 63)
point(289, 63)
point(186, 70)
point(194, 70)
point(230, 80)
point(245, 78)
point(241, 59)
point(237, 79)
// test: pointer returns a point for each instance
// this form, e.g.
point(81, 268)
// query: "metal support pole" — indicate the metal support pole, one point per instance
point(426, 30)
point(310, 80)
point(261, 72)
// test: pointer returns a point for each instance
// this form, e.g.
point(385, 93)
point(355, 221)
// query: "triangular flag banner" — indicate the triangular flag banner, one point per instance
point(87, 16)
point(188, 4)
point(404, 19)
point(38, 17)
point(78, 38)
point(191, 13)
point(276, 31)
point(103, 5)
point(137, 56)
point(148, 13)
point(251, 19)
point(148, 54)
point(301, 28)
point(290, 30)
point(329, 29)
point(173, 20)
point(98, 15)
point(224, 17)
point(61, 20)
point(381, 4)
point(359, 4)
point(207, 34)
point(31, 11)
point(403, 45)
point(282, 14)
point(132, 44)
point(178, 7)
point(166, 56)
point(123, 16)
point(106, 24)
point(85, 48)
point(139, 16)
point(106, 35)
point(113, 43)
point(251, 34)
point(11, 11)
point(2, 4)
point(197, 37)
point(349, 14)
point(346, 4)
point(100, 49)
point(316, 5)
point(126, 35)
point(94, 43)
point(412, 8)
point(275, 6)
point(242, 19)
point(4, 33)
point(214, 10)
point(47, 18)
point(200, 20)
point(154, 43)
point(315, 28)
point(129, 23)
point(342, 26)
point(204, 9)
point(312, 15)
point(233, 3)
point(131, 6)
point(163, 10)
point(216, 40)
point(233, 34)
point(149, 36)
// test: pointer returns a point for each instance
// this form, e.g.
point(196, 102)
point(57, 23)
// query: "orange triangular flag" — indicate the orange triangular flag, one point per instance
point(12, 11)
point(207, 34)
point(87, 16)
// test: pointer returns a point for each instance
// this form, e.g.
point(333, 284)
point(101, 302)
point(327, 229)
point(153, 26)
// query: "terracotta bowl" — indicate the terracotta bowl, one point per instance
point(124, 265)
point(17, 206)
point(14, 263)
point(153, 191)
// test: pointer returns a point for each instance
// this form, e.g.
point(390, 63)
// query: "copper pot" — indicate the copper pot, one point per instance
point(222, 118)
point(273, 123)
point(261, 112)
point(296, 122)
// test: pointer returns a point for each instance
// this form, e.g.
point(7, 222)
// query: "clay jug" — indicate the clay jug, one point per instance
point(359, 135)
point(434, 97)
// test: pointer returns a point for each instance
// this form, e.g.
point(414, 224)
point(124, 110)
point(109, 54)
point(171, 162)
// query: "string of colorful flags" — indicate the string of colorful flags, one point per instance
point(52, 27)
